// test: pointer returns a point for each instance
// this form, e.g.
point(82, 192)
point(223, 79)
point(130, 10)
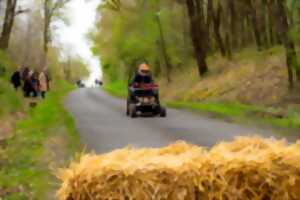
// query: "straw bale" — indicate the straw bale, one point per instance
point(247, 168)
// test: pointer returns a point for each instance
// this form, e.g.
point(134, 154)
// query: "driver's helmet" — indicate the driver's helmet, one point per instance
point(144, 69)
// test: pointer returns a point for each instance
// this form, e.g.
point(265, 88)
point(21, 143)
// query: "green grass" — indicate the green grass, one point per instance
point(221, 109)
point(10, 100)
point(116, 88)
point(25, 160)
point(242, 113)
point(235, 111)
point(6, 64)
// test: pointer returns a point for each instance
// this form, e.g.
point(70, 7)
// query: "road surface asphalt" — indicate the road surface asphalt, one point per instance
point(103, 125)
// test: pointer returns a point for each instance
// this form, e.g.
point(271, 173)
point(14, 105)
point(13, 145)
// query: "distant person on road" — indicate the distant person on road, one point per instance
point(43, 84)
point(16, 79)
point(98, 82)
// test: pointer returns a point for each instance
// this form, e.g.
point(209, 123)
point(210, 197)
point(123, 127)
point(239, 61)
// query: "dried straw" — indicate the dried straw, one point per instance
point(247, 168)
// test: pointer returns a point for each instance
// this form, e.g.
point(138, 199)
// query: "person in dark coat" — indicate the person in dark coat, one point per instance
point(143, 76)
point(16, 79)
point(26, 77)
point(34, 83)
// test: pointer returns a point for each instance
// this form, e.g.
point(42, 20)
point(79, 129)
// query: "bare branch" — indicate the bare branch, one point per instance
point(22, 11)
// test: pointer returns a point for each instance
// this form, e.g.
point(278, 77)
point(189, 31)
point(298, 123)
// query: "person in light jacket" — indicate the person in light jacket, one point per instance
point(43, 84)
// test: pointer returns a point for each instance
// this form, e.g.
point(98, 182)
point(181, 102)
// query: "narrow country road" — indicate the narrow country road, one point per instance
point(103, 125)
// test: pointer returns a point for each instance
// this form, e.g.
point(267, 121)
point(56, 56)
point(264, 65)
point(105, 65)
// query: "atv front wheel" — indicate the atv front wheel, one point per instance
point(133, 111)
point(163, 112)
point(127, 109)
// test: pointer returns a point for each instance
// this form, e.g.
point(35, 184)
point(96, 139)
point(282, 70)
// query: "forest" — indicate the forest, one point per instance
point(28, 126)
point(29, 38)
point(177, 35)
point(235, 64)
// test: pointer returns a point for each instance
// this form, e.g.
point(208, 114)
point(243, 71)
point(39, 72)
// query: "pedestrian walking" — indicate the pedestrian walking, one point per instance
point(16, 79)
point(26, 77)
point(43, 84)
point(34, 83)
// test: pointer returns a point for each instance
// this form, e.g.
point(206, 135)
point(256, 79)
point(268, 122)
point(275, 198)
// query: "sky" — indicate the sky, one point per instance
point(81, 15)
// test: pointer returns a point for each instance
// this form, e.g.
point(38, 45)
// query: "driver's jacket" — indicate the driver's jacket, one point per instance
point(140, 79)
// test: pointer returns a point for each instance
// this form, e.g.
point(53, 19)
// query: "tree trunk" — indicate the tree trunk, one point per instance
point(255, 25)
point(283, 29)
point(198, 34)
point(233, 27)
point(164, 50)
point(270, 24)
point(48, 13)
point(8, 23)
point(46, 36)
point(216, 16)
point(228, 45)
point(209, 20)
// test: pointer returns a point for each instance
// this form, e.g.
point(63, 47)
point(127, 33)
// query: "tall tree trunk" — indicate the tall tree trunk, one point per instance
point(185, 34)
point(216, 16)
point(164, 50)
point(264, 24)
point(270, 24)
point(282, 29)
point(243, 35)
point(46, 36)
point(228, 45)
point(8, 23)
point(233, 27)
point(198, 33)
point(209, 21)
point(255, 25)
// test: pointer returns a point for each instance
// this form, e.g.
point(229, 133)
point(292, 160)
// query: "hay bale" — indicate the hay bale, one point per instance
point(248, 168)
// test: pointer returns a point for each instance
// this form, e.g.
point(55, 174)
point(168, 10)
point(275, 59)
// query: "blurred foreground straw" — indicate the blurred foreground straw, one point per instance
point(247, 168)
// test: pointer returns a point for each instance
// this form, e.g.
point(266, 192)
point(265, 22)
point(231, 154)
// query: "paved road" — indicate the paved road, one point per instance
point(103, 125)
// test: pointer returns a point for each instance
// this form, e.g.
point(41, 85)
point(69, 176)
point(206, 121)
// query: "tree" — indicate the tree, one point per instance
point(10, 13)
point(283, 30)
point(52, 11)
point(112, 5)
point(216, 18)
point(198, 33)
point(164, 49)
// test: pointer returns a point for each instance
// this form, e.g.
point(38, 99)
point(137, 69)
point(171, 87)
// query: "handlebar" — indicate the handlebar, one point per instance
point(149, 86)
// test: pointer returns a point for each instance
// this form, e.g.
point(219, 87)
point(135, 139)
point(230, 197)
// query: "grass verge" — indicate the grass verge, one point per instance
point(10, 101)
point(45, 139)
point(245, 113)
point(116, 88)
point(237, 112)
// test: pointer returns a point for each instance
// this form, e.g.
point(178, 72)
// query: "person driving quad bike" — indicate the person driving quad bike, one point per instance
point(143, 95)
point(143, 76)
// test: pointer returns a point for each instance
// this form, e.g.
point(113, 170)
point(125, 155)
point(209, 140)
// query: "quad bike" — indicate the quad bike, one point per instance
point(144, 99)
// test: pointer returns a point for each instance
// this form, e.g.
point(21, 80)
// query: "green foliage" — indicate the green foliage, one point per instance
point(116, 88)
point(26, 158)
point(241, 113)
point(5, 63)
point(71, 70)
point(219, 108)
point(10, 100)
point(294, 10)
point(133, 37)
